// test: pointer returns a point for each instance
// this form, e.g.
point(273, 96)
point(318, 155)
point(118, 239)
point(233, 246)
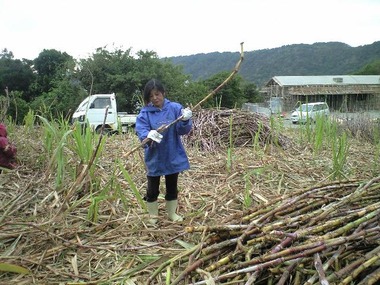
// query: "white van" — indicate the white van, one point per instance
point(310, 112)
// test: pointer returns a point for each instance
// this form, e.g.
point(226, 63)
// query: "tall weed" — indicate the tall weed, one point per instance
point(135, 191)
point(87, 147)
point(340, 147)
point(55, 142)
point(376, 142)
point(29, 121)
point(231, 145)
point(256, 139)
point(248, 186)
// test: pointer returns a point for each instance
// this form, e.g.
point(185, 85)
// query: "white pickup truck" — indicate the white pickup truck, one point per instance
point(92, 111)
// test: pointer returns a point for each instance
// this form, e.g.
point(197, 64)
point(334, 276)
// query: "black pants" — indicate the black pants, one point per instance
point(153, 190)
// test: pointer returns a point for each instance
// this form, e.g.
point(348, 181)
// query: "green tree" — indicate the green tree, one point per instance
point(50, 65)
point(18, 107)
point(372, 68)
point(231, 95)
point(111, 72)
point(62, 99)
point(15, 74)
point(57, 85)
point(251, 93)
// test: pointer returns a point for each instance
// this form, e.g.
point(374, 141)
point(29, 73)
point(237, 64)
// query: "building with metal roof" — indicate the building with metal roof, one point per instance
point(341, 92)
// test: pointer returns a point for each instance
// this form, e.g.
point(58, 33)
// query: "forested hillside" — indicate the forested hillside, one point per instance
point(259, 66)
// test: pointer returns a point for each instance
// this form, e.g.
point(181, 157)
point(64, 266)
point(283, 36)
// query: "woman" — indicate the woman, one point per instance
point(164, 154)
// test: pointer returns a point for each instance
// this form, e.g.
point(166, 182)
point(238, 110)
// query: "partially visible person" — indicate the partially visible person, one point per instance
point(164, 154)
point(8, 151)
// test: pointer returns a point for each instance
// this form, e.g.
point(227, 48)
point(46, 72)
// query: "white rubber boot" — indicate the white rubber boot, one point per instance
point(171, 207)
point(153, 212)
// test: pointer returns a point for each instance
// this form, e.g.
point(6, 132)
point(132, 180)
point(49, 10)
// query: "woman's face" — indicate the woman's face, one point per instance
point(157, 98)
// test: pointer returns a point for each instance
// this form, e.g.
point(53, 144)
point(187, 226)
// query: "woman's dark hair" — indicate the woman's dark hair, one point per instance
point(152, 84)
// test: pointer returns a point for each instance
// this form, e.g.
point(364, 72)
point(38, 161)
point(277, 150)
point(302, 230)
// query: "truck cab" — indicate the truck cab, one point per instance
point(93, 111)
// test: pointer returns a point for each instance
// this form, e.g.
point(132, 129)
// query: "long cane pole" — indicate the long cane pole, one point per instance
point(212, 93)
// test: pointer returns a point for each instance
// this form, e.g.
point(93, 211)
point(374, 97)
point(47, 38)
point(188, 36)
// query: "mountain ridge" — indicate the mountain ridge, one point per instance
point(259, 66)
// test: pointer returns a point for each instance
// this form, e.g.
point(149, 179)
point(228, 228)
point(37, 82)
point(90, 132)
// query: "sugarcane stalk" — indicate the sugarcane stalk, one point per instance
point(366, 224)
point(168, 274)
point(207, 275)
point(347, 226)
point(298, 277)
point(170, 261)
point(308, 248)
point(195, 265)
point(360, 269)
point(223, 261)
point(217, 246)
point(351, 267)
point(251, 279)
point(327, 225)
point(216, 228)
point(267, 216)
point(320, 270)
point(334, 258)
point(351, 225)
point(347, 199)
point(323, 188)
point(372, 278)
point(288, 270)
point(311, 204)
point(259, 241)
point(265, 265)
point(254, 268)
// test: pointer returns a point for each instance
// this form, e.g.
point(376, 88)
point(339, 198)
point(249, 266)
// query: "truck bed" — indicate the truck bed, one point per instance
point(127, 119)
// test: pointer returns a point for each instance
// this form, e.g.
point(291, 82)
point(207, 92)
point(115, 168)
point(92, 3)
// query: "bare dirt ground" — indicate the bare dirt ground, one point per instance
point(114, 244)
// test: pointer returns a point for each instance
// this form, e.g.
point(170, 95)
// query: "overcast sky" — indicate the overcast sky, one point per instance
point(182, 27)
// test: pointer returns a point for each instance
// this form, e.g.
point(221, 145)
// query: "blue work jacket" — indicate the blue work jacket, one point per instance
point(169, 156)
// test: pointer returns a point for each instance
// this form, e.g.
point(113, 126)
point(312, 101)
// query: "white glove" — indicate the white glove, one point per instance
point(186, 114)
point(155, 136)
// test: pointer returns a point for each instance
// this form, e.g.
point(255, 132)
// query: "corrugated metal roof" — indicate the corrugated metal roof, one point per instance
point(326, 80)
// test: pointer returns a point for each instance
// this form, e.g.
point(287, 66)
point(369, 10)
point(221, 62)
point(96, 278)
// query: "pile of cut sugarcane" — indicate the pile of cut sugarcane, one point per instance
point(216, 128)
point(327, 234)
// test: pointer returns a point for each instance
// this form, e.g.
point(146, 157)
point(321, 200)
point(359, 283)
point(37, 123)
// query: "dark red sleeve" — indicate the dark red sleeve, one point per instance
point(8, 149)
point(3, 142)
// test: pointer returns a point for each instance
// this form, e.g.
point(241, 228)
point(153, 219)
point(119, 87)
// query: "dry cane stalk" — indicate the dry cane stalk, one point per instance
point(360, 269)
point(330, 224)
point(287, 272)
point(349, 224)
point(230, 258)
point(349, 268)
point(347, 199)
point(172, 260)
point(258, 222)
point(217, 246)
point(218, 228)
point(305, 249)
point(195, 266)
point(320, 270)
point(328, 264)
point(372, 278)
